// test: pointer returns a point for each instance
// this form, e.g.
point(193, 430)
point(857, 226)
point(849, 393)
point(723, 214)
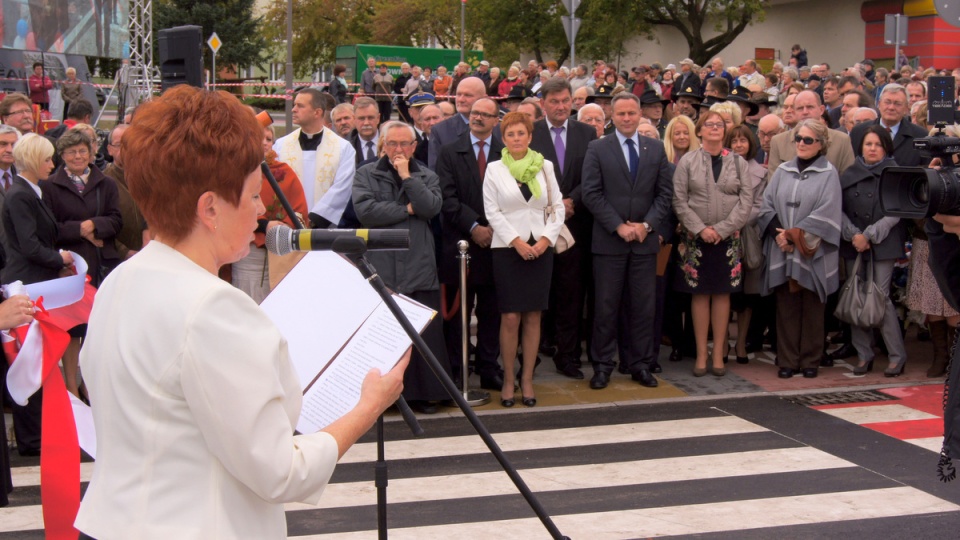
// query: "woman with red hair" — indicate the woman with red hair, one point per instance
point(194, 397)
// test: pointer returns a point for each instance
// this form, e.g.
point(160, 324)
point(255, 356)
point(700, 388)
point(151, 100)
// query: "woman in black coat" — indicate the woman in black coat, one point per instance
point(338, 86)
point(86, 204)
point(31, 256)
point(867, 232)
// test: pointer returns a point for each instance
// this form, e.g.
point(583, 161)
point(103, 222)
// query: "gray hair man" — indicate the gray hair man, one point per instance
point(895, 118)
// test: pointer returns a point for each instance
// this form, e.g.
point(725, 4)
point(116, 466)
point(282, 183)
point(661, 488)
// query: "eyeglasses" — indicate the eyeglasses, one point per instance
point(805, 140)
point(82, 152)
point(714, 125)
point(483, 114)
point(21, 111)
point(399, 144)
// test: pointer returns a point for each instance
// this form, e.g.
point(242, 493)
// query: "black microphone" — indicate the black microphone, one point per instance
point(282, 240)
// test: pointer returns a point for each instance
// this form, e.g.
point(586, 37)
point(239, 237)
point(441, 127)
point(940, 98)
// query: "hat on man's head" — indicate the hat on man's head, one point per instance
point(671, 67)
point(420, 99)
point(687, 61)
point(688, 92)
point(763, 98)
point(710, 101)
point(604, 92)
point(519, 93)
point(742, 95)
point(484, 63)
point(650, 96)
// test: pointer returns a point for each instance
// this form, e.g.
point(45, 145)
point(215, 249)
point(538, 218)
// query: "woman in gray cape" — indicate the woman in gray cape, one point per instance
point(800, 218)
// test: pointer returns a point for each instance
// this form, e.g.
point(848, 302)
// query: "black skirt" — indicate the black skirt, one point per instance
point(522, 285)
point(704, 268)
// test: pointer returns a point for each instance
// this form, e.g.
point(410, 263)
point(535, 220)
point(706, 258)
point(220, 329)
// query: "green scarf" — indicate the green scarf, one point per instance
point(525, 170)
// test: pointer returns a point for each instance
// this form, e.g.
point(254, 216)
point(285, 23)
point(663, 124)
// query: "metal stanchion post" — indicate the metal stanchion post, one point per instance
point(474, 398)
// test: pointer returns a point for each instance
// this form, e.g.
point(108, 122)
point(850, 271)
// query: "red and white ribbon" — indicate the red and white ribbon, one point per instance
point(34, 353)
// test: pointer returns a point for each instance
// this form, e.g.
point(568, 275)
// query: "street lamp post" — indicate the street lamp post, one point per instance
point(463, 18)
point(288, 70)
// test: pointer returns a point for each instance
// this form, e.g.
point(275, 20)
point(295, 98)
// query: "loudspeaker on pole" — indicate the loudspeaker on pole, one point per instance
point(181, 56)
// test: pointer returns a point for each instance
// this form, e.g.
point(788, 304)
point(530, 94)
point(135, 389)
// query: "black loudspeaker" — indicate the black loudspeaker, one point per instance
point(181, 56)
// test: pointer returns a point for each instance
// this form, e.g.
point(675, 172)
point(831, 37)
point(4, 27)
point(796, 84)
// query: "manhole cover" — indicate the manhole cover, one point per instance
point(836, 398)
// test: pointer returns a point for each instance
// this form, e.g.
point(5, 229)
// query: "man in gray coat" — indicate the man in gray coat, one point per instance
point(395, 192)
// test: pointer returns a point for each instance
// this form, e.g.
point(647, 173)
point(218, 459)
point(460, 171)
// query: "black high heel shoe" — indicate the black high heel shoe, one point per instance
point(528, 401)
point(862, 368)
point(895, 371)
point(507, 402)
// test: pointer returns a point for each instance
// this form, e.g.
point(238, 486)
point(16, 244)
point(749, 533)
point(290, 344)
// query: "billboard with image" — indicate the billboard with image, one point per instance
point(86, 27)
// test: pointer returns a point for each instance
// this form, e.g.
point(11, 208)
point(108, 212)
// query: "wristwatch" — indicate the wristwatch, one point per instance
point(647, 227)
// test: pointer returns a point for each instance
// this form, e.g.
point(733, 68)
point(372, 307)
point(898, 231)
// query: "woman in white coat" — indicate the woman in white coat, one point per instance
point(194, 397)
point(517, 192)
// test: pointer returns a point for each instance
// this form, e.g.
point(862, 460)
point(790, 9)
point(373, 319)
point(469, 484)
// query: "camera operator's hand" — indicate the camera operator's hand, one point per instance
point(860, 243)
point(951, 224)
point(936, 163)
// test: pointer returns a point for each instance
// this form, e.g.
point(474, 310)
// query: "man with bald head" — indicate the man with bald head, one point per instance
point(807, 105)
point(767, 128)
point(468, 92)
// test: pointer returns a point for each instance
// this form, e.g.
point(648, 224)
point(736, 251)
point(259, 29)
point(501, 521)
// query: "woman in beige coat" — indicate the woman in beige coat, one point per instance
point(712, 199)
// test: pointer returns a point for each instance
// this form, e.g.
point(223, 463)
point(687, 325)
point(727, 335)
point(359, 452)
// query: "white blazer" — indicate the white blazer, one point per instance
point(194, 402)
point(511, 215)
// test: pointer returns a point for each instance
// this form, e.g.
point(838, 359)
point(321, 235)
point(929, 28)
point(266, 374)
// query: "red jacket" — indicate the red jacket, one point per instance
point(38, 89)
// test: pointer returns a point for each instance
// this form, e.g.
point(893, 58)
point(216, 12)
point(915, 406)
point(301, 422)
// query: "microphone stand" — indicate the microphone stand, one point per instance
point(354, 248)
point(380, 469)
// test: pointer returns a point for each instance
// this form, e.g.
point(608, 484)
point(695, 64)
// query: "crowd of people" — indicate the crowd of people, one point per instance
point(607, 212)
point(762, 200)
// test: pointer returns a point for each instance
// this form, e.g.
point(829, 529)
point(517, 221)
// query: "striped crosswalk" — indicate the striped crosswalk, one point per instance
point(758, 467)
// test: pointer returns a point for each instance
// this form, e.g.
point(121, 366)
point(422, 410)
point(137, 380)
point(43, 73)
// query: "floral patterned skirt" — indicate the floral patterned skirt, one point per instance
point(704, 268)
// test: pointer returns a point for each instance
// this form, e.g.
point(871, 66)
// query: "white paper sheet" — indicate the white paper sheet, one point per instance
point(83, 416)
point(335, 323)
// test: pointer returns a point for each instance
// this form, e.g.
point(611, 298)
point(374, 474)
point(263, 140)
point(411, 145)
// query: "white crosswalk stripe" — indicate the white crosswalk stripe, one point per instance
point(682, 476)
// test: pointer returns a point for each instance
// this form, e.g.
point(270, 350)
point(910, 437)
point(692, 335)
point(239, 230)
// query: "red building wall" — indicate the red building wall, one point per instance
point(929, 37)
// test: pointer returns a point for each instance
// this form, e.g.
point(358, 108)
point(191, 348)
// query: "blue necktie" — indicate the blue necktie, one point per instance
point(634, 159)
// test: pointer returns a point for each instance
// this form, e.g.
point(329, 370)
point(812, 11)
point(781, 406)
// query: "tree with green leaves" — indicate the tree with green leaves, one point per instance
point(730, 18)
point(233, 20)
point(319, 26)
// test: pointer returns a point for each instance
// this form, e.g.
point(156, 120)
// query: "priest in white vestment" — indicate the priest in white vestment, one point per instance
point(324, 162)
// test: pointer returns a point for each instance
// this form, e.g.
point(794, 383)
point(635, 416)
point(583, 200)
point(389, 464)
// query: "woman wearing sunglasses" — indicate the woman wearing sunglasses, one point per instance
point(800, 219)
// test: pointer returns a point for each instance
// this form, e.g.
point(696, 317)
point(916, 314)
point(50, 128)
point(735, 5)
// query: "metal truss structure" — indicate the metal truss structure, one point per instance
point(137, 77)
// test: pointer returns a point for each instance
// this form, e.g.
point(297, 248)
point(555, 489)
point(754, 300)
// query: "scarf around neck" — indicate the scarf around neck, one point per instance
point(525, 170)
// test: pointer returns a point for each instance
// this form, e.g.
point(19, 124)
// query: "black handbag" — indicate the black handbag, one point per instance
point(861, 302)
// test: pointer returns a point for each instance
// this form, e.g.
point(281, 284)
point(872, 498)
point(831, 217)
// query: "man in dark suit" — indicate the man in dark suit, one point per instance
point(8, 171)
point(469, 91)
point(364, 137)
point(428, 115)
point(461, 165)
point(563, 141)
point(627, 186)
point(894, 116)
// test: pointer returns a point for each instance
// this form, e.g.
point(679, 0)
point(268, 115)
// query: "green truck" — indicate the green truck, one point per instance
point(355, 58)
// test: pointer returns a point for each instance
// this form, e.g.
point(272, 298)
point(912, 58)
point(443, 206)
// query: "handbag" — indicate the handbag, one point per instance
point(861, 302)
point(565, 239)
point(750, 239)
